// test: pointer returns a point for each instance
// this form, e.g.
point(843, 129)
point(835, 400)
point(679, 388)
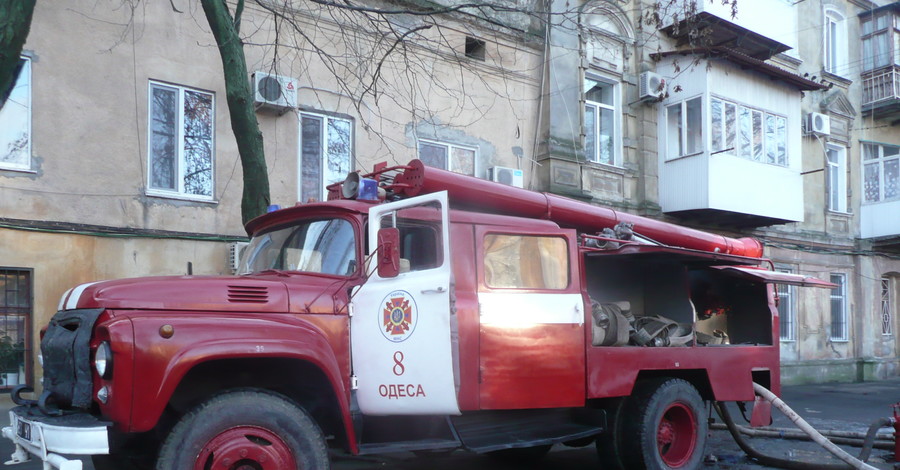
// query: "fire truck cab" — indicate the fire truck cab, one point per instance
point(447, 312)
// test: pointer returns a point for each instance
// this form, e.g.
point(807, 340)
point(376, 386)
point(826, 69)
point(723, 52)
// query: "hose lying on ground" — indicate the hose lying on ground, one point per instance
point(856, 439)
point(805, 427)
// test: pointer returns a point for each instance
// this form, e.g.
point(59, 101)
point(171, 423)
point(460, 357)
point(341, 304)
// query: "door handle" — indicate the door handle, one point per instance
point(439, 290)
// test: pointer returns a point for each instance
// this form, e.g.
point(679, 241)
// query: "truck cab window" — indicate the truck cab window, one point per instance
point(420, 236)
point(525, 262)
point(316, 246)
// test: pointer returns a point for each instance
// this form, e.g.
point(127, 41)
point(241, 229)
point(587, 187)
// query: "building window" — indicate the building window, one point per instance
point(839, 308)
point(786, 308)
point(887, 317)
point(684, 128)
point(475, 48)
point(748, 133)
point(881, 172)
point(15, 325)
point(835, 47)
point(326, 147)
point(879, 37)
point(837, 178)
point(456, 158)
point(15, 122)
point(601, 122)
point(182, 126)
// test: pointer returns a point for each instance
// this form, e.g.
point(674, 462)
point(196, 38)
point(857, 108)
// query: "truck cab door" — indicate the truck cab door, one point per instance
point(400, 333)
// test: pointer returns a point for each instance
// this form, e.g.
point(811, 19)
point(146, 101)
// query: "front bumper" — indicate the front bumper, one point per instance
point(47, 437)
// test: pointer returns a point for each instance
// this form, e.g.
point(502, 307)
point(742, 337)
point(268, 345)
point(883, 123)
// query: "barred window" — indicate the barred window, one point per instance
point(786, 310)
point(887, 317)
point(15, 325)
point(839, 308)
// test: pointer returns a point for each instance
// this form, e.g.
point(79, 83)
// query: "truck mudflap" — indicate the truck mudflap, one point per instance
point(47, 437)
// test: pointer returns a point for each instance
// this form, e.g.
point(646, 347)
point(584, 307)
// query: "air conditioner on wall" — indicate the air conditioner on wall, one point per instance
point(274, 92)
point(508, 176)
point(235, 250)
point(818, 124)
point(652, 86)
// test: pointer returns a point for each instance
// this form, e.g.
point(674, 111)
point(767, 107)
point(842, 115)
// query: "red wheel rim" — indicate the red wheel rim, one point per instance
point(245, 448)
point(676, 435)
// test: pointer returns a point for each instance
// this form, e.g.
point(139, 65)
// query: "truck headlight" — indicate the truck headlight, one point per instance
point(103, 360)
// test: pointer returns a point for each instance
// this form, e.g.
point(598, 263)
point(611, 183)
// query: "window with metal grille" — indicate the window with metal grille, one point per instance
point(15, 321)
point(839, 308)
point(786, 311)
point(887, 319)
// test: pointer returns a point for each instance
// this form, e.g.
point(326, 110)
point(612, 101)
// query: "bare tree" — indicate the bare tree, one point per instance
point(15, 22)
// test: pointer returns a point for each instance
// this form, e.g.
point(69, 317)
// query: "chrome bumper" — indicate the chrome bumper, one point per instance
point(49, 437)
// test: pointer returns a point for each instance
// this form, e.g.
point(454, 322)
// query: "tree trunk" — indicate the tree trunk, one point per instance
point(239, 94)
point(15, 22)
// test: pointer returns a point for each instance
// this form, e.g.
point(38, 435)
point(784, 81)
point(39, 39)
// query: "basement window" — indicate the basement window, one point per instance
point(475, 48)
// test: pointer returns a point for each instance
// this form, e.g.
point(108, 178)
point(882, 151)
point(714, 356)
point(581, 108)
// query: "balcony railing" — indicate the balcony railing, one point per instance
point(881, 86)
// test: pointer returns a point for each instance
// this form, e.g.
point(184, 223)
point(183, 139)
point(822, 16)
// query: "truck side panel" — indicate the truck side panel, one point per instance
point(161, 363)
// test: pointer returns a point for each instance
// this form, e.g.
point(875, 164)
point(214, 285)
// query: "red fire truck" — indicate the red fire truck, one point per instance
point(416, 310)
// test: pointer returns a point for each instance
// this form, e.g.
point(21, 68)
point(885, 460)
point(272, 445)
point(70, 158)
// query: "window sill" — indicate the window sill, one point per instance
point(789, 341)
point(614, 168)
point(18, 170)
point(844, 214)
point(832, 340)
point(181, 197)
point(682, 157)
point(884, 201)
point(837, 79)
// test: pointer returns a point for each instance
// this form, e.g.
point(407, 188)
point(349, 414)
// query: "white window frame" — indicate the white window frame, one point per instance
point(683, 129)
point(836, 178)
point(839, 293)
point(450, 147)
point(7, 109)
point(616, 108)
point(323, 150)
point(737, 150)
point(887, 307)
point(787, 295)
point(834, 42)
point(179, 191)
point(880, 161)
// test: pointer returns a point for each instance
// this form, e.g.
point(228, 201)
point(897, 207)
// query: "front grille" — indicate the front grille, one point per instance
point(248, 294)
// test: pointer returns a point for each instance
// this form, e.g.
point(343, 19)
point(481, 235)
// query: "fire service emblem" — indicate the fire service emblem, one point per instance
point(398, 319)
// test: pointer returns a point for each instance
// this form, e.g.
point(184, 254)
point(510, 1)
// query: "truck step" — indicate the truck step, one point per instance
point(408, 446)
point(487, 431)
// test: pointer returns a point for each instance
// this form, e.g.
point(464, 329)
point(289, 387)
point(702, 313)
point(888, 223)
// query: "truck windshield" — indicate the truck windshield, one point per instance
point(325, 246)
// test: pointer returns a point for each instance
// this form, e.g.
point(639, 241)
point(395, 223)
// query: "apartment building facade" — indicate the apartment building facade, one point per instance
point(117, 157)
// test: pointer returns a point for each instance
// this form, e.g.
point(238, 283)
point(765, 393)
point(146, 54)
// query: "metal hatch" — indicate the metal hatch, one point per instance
point(774, 277)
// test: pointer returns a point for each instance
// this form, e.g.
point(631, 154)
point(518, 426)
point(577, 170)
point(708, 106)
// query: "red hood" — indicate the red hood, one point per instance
point(216, 294)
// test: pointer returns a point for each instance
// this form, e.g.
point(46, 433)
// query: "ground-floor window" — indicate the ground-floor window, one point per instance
point(839, 307)
point(15, 325)
point(887, 319)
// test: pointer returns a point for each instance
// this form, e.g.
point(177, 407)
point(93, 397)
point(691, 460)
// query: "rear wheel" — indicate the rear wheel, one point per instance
point(245, 430)
point(609, 443)
point(666, 429)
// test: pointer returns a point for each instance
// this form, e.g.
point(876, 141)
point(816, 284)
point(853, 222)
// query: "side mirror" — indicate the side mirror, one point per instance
point(388, 252)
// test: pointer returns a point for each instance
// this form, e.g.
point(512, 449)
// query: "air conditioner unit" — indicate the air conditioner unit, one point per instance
point(508, 176)
point(818, 124)
point(235, 251)
point(652, 86)
point(274, 92)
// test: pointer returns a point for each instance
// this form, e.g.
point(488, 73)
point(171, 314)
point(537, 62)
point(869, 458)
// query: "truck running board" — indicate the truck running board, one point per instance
point(487, 431)
point(408, 446)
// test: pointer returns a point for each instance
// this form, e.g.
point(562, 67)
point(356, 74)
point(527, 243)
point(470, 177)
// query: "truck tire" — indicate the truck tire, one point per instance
point(250, 429)
point(666, 428)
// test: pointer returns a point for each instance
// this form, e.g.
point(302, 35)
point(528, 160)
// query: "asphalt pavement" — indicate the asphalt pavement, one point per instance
point(845, 407)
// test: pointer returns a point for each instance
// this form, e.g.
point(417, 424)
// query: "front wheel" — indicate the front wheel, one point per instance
point(666, 429)
point(245, 430)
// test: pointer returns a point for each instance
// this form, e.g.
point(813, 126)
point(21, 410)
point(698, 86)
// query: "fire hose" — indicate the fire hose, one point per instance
point(851, 462)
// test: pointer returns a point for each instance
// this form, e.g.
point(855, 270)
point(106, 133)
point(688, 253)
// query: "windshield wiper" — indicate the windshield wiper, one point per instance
point(279, 272)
